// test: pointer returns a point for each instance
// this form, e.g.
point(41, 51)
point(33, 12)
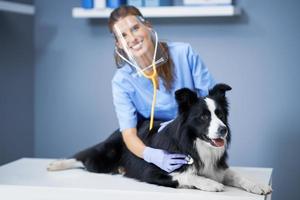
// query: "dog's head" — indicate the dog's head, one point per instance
point(206, 118)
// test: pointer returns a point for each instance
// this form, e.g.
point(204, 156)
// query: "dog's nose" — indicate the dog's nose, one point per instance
point(222, 131)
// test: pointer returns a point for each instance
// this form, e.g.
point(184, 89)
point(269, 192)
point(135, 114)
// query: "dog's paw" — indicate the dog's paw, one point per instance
point(61, 164)
point(257, 188)
point(56, 165)
point(210, 186)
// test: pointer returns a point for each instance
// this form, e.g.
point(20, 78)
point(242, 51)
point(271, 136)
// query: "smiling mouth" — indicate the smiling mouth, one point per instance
point(215, 142)
point(137, 46)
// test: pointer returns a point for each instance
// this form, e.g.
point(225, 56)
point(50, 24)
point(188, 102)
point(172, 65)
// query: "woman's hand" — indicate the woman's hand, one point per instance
point(164, 160)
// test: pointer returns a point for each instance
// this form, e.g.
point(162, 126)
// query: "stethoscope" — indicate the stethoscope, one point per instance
point(153, 76)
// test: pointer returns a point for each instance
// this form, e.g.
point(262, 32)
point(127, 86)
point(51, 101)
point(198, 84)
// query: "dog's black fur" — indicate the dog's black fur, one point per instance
point(192, 122)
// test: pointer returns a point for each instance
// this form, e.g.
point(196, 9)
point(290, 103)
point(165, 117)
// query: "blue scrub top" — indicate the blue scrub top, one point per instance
point(132, 93)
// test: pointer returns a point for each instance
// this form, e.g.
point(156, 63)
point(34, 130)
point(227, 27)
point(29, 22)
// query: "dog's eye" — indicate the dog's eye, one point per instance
point(219, 113)
point(204, 117)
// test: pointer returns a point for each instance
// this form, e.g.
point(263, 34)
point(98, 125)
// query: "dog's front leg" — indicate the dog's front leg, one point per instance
point(199, 182)
point(235, 179)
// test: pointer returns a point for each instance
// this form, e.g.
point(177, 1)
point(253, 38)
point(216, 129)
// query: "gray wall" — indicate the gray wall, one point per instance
point(16, 86)
point(74, 68)
point(257, 54)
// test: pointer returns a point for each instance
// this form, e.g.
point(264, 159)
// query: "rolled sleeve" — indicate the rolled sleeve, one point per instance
point(124, 108)
point(203, 80)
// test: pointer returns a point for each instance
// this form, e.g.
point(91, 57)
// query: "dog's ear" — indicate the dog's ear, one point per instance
point(219, 90)
point(185, 99)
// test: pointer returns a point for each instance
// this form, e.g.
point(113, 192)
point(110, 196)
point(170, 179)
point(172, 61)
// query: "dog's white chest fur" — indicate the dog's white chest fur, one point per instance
point(209, 156)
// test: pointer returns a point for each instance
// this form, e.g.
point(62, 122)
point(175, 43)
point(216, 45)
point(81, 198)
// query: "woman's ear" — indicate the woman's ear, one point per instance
point(118, 44)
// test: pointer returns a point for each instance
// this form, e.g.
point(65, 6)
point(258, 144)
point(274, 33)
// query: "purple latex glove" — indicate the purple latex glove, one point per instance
point(164, 160)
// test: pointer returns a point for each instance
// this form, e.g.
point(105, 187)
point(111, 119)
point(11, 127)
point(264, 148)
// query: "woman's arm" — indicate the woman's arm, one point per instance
point(133, 142)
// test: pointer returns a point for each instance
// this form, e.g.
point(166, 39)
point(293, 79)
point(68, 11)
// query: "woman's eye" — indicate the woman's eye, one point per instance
point(135, 28)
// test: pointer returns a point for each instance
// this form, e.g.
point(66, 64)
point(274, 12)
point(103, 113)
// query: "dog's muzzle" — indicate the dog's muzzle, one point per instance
point(220, 139)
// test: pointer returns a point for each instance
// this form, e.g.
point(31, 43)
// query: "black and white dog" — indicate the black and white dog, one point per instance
point(200, 130)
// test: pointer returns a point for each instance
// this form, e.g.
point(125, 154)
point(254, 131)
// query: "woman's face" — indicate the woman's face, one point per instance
point(132, 34)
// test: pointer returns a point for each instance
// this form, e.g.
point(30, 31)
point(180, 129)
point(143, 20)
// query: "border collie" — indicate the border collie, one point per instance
point(200, 130)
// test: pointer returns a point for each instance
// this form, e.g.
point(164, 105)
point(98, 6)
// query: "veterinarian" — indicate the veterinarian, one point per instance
point(150, 70)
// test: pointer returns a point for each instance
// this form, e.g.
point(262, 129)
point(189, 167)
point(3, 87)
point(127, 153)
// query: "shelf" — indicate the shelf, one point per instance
point(165, 11)
point(19, 8)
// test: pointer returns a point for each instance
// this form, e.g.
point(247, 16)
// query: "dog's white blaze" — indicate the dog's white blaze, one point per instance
point(215, 122)
point(209, 156)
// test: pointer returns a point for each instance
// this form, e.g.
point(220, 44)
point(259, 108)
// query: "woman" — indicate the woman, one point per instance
point(139, 52)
